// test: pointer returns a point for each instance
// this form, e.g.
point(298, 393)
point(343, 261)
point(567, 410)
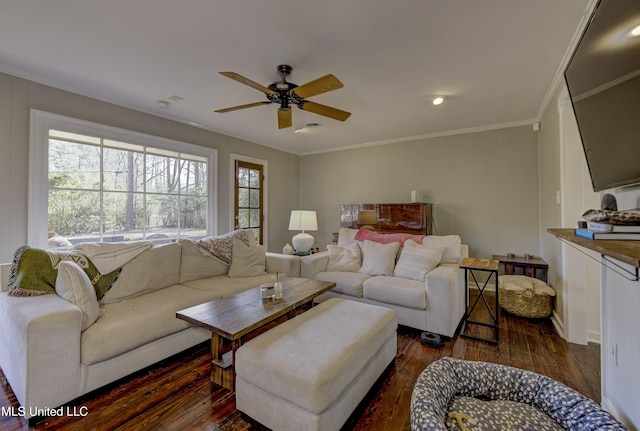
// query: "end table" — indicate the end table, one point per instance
point(471, 266)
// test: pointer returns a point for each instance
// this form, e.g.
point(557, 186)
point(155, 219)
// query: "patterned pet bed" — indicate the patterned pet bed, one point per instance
point(485, 396)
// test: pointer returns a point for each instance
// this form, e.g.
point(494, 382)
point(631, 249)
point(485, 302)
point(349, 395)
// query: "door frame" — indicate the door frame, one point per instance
point(265, 184)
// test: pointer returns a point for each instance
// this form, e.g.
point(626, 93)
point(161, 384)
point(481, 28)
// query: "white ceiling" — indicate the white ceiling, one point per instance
point(495, 61)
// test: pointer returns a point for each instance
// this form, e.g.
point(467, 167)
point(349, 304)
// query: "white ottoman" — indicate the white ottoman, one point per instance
point(312, 371)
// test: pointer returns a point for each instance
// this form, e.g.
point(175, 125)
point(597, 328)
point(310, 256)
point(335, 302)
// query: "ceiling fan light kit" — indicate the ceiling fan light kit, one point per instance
point(287, 94)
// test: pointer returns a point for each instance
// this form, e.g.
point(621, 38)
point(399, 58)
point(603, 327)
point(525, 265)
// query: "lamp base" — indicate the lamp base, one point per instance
point(302, 242)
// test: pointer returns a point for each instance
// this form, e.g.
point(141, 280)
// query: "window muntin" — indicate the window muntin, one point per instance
point(97, 184)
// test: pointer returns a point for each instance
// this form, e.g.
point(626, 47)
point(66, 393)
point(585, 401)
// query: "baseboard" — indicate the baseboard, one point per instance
point(557, 323)
point(594, 337)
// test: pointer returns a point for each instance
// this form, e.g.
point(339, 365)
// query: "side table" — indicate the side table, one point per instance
point(471, 266)
point(534, 267)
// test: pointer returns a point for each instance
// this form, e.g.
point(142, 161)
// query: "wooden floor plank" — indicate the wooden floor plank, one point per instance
point(176, 394)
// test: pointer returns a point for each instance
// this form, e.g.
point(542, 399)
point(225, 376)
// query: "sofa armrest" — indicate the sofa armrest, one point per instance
point(445, 299)
point(40, 349)
point(313, 264)
point(276, 262)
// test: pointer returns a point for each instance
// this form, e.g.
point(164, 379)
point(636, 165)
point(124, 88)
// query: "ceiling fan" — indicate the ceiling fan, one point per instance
point(287, 94)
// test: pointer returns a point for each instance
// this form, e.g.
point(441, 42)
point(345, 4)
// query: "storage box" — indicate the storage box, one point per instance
point(525, 296)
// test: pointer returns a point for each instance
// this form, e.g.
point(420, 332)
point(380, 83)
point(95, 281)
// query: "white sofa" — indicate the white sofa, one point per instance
point(49, 360)
point(423, 298)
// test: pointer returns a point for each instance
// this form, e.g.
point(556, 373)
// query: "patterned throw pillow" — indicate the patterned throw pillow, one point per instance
point(221, 246)
point(34, 271)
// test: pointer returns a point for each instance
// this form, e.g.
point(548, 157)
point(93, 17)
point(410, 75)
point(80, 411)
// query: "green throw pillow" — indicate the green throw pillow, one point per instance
point(34, 272)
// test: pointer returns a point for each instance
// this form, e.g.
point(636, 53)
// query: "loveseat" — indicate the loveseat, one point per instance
point(417, 276)
point(57, 346)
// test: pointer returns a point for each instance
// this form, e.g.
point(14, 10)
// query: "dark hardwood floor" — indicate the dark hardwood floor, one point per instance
point(177, 394)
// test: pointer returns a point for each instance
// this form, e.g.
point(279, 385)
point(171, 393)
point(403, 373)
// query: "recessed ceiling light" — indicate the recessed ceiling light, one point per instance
point(163, 104)
point(438, 100)
point(636, 31)
point(176, 98)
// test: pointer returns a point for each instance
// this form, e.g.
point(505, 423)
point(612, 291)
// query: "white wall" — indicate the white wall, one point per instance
point(620, 323)
point(484, 185)
point(563, 168)
point(18, 96)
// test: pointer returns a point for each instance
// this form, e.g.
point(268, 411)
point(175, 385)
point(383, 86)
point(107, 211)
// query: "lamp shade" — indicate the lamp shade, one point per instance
point(367, 217)
point(303, 220)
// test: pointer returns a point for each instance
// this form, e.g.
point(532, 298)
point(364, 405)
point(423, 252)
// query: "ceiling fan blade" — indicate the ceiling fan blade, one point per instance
point(284, 118)
point(248, 105)
point(325, 110)
point(247, 81)
point(318, 86)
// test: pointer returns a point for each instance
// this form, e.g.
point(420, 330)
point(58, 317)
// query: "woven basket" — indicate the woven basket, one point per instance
point(526, 300)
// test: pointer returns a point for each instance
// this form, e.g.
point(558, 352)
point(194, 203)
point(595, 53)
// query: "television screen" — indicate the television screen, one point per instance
point(603, 78)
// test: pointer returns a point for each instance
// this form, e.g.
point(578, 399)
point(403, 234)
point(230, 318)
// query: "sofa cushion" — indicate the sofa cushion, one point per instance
point(34, 271)
point(416, 260)
point(397, 291)
point(379, 259)
point(247, 261)
point(127, 325)
point(347, 283)
point(73, 284)
point(344, 258)
point(151, 270)
point(452, 243)
point(195, 264)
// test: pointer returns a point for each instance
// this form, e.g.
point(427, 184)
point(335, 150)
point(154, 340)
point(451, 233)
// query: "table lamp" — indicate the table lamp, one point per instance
point(303, 220)
point(367, 218)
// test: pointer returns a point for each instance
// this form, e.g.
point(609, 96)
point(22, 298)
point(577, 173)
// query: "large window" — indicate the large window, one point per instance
point(107, 184)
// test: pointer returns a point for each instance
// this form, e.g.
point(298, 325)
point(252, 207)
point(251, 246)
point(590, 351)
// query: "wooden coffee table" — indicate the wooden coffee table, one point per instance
point(232, 318)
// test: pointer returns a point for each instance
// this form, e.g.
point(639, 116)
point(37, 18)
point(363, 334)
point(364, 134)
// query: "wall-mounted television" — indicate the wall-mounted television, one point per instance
point(603, 78)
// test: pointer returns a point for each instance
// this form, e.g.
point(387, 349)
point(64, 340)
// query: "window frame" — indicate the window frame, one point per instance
point(38, 188)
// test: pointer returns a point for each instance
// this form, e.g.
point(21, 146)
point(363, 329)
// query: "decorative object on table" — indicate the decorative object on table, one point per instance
point(287, 249)
point(267, 290)
point(526, 296)
point(277, 287)
point(626, 217)
point(303, 220)
point(609, 202)
point(367, 218)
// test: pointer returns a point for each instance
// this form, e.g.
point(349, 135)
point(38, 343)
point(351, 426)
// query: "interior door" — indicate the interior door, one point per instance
point(249, 198)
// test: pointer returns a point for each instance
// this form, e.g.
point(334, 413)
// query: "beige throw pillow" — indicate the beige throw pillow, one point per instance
point(73, 285)
point(247, 261)
point(451, 243)
point(346, 259)
point(379, 259)
point(195, 265)
point(417, 260)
